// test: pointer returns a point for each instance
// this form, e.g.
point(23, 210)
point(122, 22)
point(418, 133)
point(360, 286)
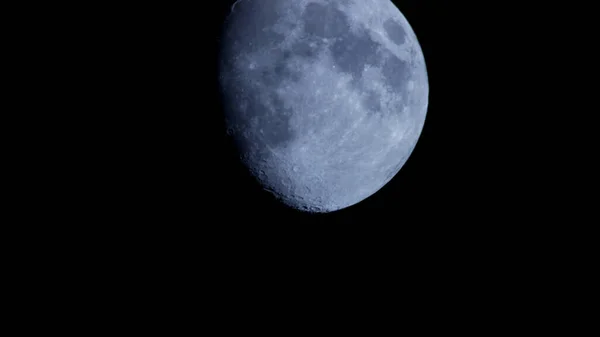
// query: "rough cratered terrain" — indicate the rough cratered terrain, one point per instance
point(325, 98)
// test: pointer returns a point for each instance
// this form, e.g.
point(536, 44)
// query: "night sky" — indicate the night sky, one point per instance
point(157, 215)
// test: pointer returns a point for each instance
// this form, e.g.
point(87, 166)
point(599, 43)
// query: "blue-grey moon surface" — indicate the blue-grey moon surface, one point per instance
point(325, 99)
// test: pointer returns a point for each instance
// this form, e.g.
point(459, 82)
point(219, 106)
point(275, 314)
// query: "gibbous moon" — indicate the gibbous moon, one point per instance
point(325, 99)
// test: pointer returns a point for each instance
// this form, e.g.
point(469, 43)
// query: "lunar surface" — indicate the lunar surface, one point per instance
point(325, 99)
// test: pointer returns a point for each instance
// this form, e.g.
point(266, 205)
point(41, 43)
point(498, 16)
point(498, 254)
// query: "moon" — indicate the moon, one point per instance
point(325, 99)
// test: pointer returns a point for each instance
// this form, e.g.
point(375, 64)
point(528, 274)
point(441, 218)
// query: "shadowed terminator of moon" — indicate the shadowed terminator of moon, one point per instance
point(325, 99)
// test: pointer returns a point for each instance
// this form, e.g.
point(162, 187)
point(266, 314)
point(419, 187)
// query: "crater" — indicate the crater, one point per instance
point(391, 173)
point(394, 31)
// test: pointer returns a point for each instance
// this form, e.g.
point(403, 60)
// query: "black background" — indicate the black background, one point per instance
point(163, 211)
point(134, 202)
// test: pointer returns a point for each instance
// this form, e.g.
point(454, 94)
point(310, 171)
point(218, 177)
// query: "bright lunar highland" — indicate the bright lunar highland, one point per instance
point(325, 99)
